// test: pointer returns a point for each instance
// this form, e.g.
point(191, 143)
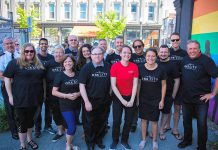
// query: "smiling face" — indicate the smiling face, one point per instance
point(150, 57)
point(86, 52)
point(73, 41)
point(118, 44)
point(193, 50)
point(103, 44)
point(68, 64)
point(138, 47)
point(43, 45)
point(125, 54)
point(97, 55)
point(163, 53)
point(175, 41)
point(9, 45)
point(59, 54)
point(29, 53)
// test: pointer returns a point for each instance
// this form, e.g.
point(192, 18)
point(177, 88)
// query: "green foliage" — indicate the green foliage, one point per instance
point(110, 26)
point(22, 19)
point(3, 120)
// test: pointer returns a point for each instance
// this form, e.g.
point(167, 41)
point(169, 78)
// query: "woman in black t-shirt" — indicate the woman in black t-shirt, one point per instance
point(152, 88)
point(84, 55)
point(25, 91)
point(66, 87)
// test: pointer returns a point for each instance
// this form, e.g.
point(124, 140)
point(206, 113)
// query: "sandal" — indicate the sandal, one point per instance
point(177, 136)
point(162, 136)
point(142, 144)
point(33, 144)
point(155, 146)
point(167, 129)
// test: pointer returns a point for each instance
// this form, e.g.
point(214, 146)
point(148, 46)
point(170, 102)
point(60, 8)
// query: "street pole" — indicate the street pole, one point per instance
point(11, 18)
point(140, 19)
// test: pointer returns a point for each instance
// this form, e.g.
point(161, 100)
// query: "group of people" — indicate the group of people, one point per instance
point(142, 84)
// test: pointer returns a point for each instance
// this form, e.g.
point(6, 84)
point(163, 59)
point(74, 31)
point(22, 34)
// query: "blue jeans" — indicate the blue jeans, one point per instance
point(200, 111)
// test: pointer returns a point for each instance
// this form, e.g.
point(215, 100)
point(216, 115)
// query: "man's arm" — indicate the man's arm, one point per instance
point(84, 95)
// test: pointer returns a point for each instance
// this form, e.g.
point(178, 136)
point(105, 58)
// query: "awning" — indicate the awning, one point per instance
point(85, 31)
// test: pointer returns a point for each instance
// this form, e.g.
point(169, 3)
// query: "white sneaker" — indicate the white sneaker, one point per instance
point(76, 148)
point(155, 145)
point(142, 144)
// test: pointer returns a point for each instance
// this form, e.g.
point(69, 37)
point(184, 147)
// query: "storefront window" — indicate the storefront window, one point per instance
point(52, 35)
point(150, 38)
point(65, 32)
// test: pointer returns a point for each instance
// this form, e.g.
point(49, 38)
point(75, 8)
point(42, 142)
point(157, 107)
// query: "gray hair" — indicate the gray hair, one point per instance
point(8, 38)
point(59, 47)
point(98, 47)
point(194, 41)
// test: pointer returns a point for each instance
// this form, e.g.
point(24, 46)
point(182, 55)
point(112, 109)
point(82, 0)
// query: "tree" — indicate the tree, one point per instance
point(22, 19)
point(109, 25)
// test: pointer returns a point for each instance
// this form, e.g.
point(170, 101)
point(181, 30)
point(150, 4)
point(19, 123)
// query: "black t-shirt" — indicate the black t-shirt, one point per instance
point(52, 69)
point(138, 59)
point(196, 77)
point(150, 90)
point(113, 58)
point(172, 72)
point(177, 56)
point(27, 86)
point(97, 82)
point(67, 85)
point(45, 59)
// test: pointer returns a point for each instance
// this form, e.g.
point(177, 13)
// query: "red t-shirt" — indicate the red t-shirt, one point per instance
point(124, 77)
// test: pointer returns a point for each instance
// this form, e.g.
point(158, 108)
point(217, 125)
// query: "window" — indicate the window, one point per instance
point(99, 8)
point(133, 12)
point(151, 13)
point(83, 10)
point(21, 5)
point(52, 11)
point(117, 9)
point(67, 11)
point(37, 8)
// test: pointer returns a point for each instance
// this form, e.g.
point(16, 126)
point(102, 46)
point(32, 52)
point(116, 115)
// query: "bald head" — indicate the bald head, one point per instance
point(73, 41)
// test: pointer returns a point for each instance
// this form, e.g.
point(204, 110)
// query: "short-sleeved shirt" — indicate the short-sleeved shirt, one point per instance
point(138, 59)
point(97, 82)
point(196, 77)
point(5, 58)
point(177, 56)
point(52, 69)
point(45, 59)
point(27, 86)
point(124, 77)
point(67, 85)
point(113, 58)
point(73, 52)
point(172, 72)
point(151, 85)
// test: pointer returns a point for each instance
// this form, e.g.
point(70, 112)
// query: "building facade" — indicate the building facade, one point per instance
point(59, 18)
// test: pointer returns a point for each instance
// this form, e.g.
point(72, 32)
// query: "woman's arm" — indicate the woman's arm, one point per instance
point(84, 95)
point(116, 91)
point(8, 89)
point(163, 93)
point(56, 93)
point(134, 91)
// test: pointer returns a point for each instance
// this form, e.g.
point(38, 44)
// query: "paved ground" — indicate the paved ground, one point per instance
point(45, 143)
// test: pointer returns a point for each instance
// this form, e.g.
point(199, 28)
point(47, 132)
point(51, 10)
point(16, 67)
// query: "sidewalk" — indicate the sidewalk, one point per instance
point(45, 143)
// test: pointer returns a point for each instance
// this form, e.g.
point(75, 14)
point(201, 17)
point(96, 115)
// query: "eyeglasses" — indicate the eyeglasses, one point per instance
point(17, 44)
point(29, 51)
point(95, 54)
point(173, 40)
point(73, 40)
point(137, 46)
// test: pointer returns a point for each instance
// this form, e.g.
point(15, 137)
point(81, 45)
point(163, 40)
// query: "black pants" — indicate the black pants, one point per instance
point(24, 118)
point(200, 112)
point(38, 116)
point(117, 117)
point(10, 112)
point(94, 123)
point(136, 116)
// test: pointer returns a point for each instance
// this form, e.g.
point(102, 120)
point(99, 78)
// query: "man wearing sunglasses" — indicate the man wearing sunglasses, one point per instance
point(9, 54)
point(176, 55)
point(73, 46)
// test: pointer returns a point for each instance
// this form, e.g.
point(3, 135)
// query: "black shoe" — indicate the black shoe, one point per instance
point(78, 122)
point(100, 145)
point(184, 144)
point(15, 136)
point(133, 128)
point(90, 146)
point(37, 134)
point(126, 145)
point(113, 145)
point(56, 137)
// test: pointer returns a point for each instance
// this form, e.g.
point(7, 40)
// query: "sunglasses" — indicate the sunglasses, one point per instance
point(173, 40)
point(29, 51)
point(137, 46)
